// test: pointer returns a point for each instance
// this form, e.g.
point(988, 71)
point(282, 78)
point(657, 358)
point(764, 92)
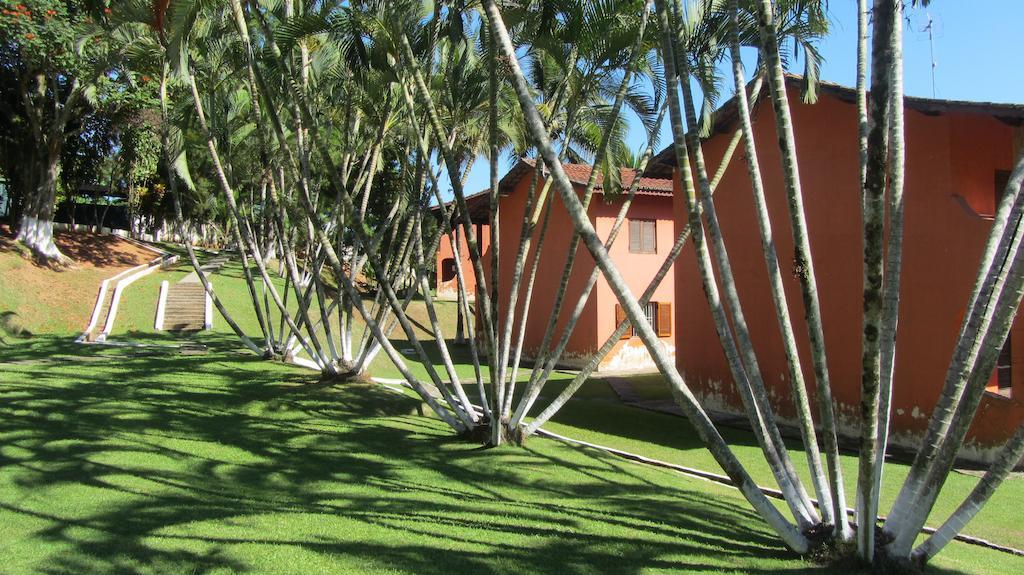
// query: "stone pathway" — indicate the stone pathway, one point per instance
point(624, 389)
point(628, 395)
point(209, 268)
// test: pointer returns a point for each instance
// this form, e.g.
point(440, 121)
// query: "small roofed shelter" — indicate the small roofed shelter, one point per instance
point(958, 157)
point(639, 250)
point(95, 206)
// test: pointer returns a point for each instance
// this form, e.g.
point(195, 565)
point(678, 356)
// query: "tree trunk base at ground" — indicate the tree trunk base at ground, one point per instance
point(37, 235)
point(481, 434)
point(887, 564)
point(842, 556)
point(337, 373)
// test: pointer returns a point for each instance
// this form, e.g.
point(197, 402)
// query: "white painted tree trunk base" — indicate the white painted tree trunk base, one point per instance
point(37, 235)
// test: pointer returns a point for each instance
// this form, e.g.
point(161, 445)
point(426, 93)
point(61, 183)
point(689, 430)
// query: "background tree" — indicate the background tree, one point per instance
point(57, 64)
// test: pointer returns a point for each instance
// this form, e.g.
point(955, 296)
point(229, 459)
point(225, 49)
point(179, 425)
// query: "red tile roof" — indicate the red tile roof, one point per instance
point(580, 173)
point(478, 204)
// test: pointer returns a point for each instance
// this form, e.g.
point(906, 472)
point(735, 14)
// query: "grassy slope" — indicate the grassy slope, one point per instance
point(122, 460)
point(61, 300)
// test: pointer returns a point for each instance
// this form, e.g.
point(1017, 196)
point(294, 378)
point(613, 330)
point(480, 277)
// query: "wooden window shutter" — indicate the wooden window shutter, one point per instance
point(635, 240)
point(642, 237)
point(620, 316)
point(664, 319)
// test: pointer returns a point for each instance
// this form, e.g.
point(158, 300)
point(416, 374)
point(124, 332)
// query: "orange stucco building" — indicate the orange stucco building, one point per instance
point(644, 240)
point(958, 155)
point(447, 283)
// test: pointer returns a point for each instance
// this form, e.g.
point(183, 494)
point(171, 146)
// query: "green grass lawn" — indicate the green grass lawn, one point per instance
point(148, 461)
point(255, 400)
point(597, 416)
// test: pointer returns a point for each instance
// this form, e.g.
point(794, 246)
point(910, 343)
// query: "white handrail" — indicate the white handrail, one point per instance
point(208, 309)
point(123, 283)
point(104, 287)
point(161, 306)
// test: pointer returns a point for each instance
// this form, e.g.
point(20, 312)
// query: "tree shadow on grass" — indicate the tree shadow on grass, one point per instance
point(161, 462)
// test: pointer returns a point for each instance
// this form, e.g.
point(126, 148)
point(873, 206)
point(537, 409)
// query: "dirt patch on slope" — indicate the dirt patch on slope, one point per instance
point(60, 300)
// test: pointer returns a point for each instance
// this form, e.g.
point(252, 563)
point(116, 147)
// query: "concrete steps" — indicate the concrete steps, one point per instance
point(185, 309)
point(184, 305)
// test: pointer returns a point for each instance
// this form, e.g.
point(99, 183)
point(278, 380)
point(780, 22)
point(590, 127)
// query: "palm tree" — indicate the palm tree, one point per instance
point(830, 495)
point(359, 109)
point(688, 402)
point(883, 168)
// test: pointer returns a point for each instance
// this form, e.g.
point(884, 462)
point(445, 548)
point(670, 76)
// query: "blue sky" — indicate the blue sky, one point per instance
point(976, 47)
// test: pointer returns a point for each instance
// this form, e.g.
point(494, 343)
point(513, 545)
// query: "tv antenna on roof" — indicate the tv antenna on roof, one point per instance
point(932, 27)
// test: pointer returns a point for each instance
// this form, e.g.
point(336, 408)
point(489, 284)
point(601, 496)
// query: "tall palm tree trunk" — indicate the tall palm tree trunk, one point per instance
point(894, 252)
point(179, 220)
point(537, 382)
point(1002, 306)
point(886, 20)
point(804, 261)
point(797, 384)
point(497, 410)
point(229, 196)
point(595, 360)
point(1009, 456)
point(457, 419)
point(738, 344)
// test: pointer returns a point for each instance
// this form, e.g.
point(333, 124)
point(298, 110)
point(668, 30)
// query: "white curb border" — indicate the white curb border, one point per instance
point(208, 308)
point(151, 267)
point(161, 306)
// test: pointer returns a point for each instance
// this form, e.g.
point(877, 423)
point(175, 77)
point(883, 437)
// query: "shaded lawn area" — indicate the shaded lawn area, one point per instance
point(600, 418)
point(148, 461)
point(155, 462)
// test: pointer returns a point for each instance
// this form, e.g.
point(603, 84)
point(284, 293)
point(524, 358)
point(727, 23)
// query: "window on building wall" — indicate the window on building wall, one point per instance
point(651, 311)
point(659, 315)
point(1003, 369)
point(620, 316)
point(447, 269)
point(642, 237)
